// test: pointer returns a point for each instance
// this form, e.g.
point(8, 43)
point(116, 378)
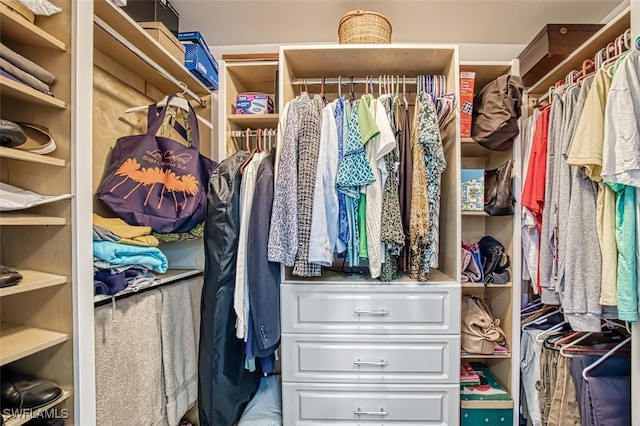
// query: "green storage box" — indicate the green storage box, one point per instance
point(480, 406)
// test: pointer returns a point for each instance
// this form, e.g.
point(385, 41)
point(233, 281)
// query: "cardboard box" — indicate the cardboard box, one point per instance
point(196, 37)
point(472, 189)
point(158, 31)
point(467, 82)
point(154, 11)
point(197, 61)
point(254, 103)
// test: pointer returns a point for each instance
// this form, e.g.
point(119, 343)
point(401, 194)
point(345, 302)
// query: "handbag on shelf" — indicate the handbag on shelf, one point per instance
point(498, 198)
point(156, 181)
point(480, 330)
point(471, 264)
point(495, 261)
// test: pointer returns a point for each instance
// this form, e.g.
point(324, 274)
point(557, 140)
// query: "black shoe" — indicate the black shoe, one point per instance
point(20, 391)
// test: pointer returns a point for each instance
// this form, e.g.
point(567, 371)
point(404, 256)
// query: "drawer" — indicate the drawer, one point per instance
point(370, 359)
point(370, 309)
point(332, 404)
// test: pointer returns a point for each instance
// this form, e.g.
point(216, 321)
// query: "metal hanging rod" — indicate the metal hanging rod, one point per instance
point(113, 33)
point(265, 132)
point(345, 81)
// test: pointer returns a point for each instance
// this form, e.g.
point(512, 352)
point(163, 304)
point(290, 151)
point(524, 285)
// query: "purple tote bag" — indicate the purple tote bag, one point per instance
point(156, 181)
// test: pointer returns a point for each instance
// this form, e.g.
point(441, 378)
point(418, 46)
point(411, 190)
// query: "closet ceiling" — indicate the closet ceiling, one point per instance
point(302, 21)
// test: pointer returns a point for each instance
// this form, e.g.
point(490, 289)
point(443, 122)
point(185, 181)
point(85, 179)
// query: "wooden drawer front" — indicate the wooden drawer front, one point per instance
point(370, 309)
point(313, 405)
point(370, 359)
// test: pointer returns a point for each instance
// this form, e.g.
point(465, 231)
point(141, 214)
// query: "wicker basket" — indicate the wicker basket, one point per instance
point(364, 27)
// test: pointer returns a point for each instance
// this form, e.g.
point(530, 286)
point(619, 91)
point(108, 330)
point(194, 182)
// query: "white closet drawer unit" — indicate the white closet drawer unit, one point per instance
point(333, 404)
point(370, 309)
point(370, 359)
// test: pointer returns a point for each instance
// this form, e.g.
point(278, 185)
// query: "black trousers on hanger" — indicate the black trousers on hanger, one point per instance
point(224, 386)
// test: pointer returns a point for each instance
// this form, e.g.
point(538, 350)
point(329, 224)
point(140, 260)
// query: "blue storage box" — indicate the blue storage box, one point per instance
point(196, 37)
point(197, 61)
point(485, 405)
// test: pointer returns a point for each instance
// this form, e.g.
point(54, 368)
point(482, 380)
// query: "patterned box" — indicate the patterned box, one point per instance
point(472, 189)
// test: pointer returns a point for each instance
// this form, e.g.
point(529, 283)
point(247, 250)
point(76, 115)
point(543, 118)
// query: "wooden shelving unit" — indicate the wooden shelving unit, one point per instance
point(17, 154)
point(138, 37)
point(243, 77)
point(18, 341)
point(13, 89)
point(33, 280)
point(16, 28)
point(30, 219)
point(37, 314)
point(503, 298)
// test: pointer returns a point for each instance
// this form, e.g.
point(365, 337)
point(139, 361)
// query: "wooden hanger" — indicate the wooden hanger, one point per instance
point(252, 152)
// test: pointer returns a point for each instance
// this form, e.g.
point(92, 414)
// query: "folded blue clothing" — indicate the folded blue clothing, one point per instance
point(127, 254)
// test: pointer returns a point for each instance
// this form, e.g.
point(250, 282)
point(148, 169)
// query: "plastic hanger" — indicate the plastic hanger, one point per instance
point(322, 89)
point(351, 89)
point(339, 86)
point(539, 320)
point(558, 326)
point(178, 101)
point(251, 152)
point(404, 92)
point(600, 360)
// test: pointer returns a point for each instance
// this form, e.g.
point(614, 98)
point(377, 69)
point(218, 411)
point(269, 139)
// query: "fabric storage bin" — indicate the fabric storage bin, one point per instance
point(550, 46)
point(483, 405)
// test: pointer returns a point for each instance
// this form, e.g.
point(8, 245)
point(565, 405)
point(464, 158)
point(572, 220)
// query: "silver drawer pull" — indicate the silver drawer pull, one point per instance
point(381, 363)
point(371, 312)
point(380, 413)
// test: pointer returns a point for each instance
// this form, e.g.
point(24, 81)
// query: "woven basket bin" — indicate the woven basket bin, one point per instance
point(364, 27)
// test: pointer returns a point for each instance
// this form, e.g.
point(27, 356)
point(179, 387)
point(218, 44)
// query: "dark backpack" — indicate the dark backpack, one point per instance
point(496, 110)
point(495, 260)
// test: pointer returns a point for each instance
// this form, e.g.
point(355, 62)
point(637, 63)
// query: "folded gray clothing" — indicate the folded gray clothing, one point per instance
point(23, 76)
point(103, 234)
point(26, 65)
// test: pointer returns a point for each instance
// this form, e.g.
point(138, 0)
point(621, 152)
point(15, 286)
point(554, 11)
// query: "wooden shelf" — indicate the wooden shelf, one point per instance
point(489, 286)
point(471, 148)
point(18, 154)
point(486, 71)
point(16, 28)
point(29, 219)
point(33, 280)
point(474, 213)
point(13, 89)
point(20, 420)
point(138, 37)
point(172, 275)
point(465, 355)
point(255, 121)
point(587, 50)
point(18, 341)
point(254, 76)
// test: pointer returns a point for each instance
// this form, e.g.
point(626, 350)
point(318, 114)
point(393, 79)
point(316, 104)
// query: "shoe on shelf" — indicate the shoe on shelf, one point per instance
point(21, 391)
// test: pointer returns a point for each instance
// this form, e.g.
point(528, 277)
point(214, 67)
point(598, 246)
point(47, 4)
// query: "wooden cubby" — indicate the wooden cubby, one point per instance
point(242, 77)
point(36, 315)
point(504, 299)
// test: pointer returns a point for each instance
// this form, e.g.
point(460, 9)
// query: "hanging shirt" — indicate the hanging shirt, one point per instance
point(308, 149)
point(586, 152)
point(534, 186)
point(621, 171)
point(241, 290)
point(343, 224)
point(324, 218)
point(283, 233)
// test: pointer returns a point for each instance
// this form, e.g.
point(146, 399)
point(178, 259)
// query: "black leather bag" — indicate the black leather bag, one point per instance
point(495, 260)
point(496, 110)
point(498, 199)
